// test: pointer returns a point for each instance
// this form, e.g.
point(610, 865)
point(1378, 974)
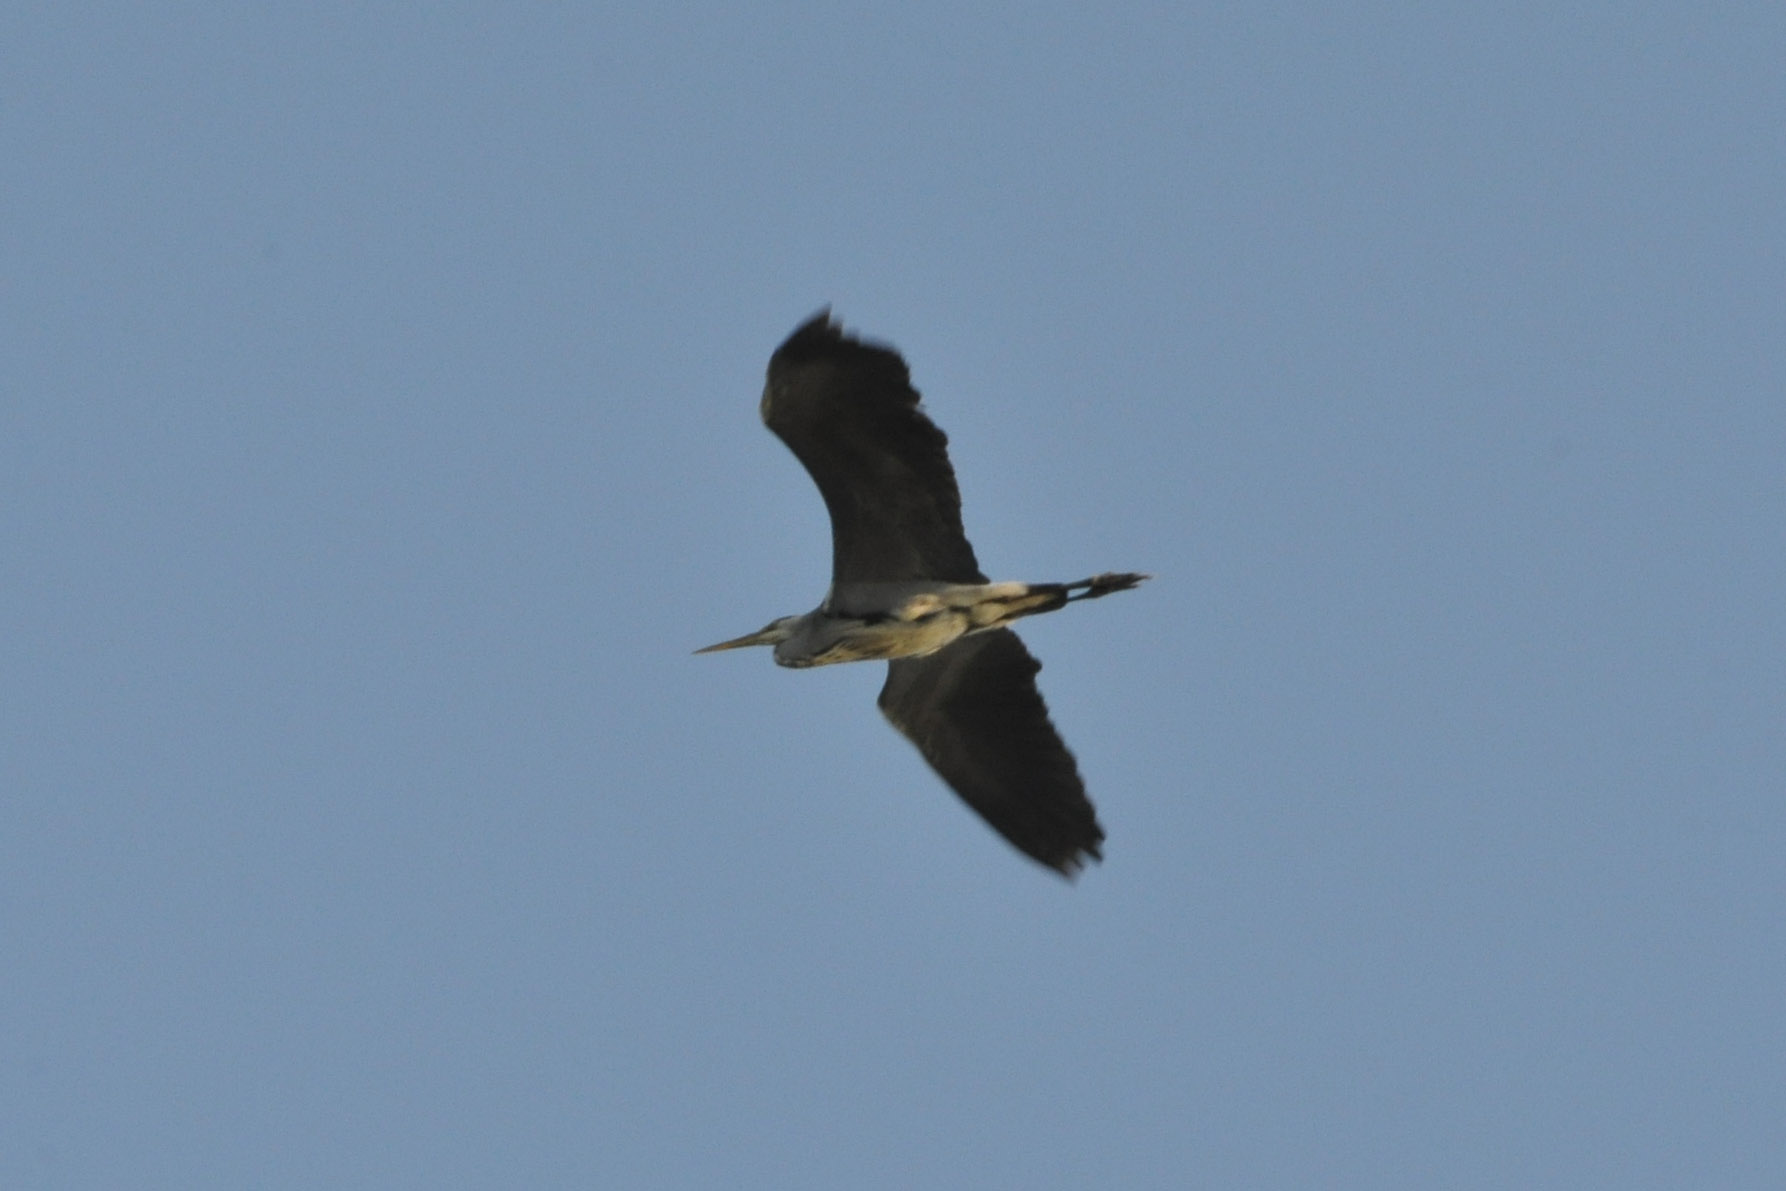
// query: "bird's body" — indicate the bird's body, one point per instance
point(867, 622)
point(907, 589)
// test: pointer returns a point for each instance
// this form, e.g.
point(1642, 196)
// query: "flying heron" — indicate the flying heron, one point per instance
point(906, 589)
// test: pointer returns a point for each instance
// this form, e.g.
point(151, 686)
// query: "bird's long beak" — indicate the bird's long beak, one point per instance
point(763, 636)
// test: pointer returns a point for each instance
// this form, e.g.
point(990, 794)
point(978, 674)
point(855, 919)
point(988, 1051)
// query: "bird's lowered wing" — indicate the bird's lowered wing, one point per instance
point(973, 710)
point(849, 413)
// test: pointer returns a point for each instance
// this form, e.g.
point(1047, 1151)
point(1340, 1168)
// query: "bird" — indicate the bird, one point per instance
point(906, 588)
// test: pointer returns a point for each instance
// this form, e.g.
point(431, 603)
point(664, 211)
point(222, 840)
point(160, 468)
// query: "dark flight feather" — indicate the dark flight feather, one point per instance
point(848, 411)
point(974, 711)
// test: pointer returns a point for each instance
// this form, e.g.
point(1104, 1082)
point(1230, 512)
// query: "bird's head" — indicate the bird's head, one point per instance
point(773, 633)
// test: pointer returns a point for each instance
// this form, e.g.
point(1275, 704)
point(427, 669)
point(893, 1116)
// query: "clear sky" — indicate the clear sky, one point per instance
point(378, 437)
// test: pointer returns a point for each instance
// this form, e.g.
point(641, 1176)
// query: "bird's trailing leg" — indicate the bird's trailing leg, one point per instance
point(1103, 585)
point(1002, 603)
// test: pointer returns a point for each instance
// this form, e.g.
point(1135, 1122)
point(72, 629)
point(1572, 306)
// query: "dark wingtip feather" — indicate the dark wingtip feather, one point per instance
point(1071, 863)
point(822, 338)
point(810, 334)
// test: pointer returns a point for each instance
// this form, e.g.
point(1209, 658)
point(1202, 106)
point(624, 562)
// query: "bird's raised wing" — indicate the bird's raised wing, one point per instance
point(973, 710)
point(849, 413)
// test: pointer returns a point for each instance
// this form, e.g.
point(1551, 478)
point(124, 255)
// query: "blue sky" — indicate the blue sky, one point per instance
point(378, 436)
